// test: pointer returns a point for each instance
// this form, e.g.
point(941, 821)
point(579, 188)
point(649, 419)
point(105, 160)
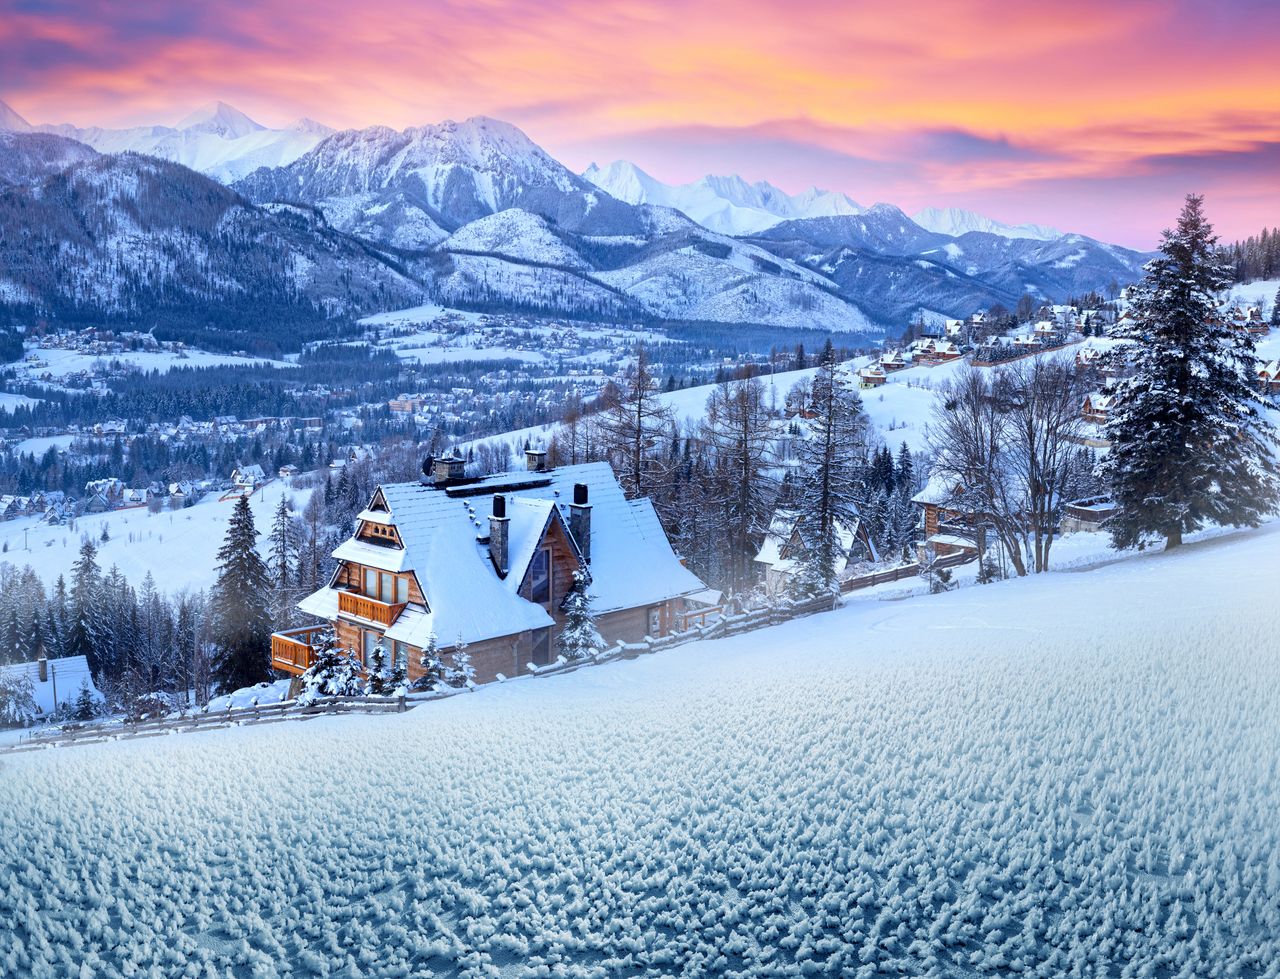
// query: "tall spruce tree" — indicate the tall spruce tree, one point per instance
point(85, 627)
point(1189, 443)
point(282, 562)
point(830, 484)
point(240, 617)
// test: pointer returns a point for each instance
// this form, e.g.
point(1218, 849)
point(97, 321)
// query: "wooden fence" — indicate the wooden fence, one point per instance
point(230, 717)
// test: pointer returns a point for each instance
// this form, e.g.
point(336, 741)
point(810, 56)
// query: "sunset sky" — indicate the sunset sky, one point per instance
point(1095, 116)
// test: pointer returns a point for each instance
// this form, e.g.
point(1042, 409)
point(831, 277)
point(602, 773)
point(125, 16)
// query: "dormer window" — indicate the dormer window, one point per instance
point(540, 577)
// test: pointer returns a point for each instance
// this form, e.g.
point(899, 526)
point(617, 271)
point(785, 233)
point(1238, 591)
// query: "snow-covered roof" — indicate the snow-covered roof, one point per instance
point(66, 674)
point(937, 491)
point(445, 531)
point(385, 558)
point(781, 529)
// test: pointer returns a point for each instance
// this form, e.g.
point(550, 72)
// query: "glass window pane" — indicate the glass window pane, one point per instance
point(540, 577)
point(542, 647)
point(402, 590)
point(371, 583)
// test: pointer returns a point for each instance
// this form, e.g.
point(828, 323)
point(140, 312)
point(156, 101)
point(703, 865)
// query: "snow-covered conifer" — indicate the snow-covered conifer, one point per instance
point(433, 669)
point(829, 484)
point(240, 621)
point(1189, 443)
point(334, 671)
point(17, 703)
point(580, 638)
point(460, 672)
point(384, 676)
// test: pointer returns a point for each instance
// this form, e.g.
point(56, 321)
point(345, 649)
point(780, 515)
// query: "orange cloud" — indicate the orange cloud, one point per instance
point(1032, 94)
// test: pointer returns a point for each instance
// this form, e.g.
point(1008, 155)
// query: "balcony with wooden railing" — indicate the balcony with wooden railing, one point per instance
point(370, 609)
point(293, 649)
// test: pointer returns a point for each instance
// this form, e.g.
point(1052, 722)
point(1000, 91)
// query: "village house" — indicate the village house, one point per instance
point(246, 479)
point(101, 495)
point(488, 562)
point(1087, 515)
point(1268, 375)
point(407, 403)
point(782, 548)
point(287, 471)
point(949, 528)
point(871, 377)
point(934, 351)
point(1044, 331)
point(893, 361)
point(1097, 407)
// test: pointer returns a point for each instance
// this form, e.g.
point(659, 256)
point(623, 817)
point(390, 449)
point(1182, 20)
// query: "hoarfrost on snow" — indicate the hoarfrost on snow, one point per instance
point(1067, 775)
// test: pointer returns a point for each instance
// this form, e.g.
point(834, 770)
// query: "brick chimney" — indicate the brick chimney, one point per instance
point(535, 460)
point(499, 530)
point(43, 665)
point(448, 468)
point(580, 520)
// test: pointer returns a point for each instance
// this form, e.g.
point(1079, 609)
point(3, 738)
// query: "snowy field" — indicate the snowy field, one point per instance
point(178, 547)
point(899, 411)
point(60, 363)
point(1069, 775)
point(8, 401)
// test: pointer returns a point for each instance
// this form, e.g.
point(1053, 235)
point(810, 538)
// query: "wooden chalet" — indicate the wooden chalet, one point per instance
point(934, 351)
point(893, 361)
point(1097, 407)
point(489, 562)
point(871, 377)
point(948, 527)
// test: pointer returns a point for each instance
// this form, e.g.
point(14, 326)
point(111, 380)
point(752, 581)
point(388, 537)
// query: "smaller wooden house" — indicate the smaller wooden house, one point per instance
point(1268, 376)
point(871, 377)
point(1097, 407)
point(248, 478)
point(893, 361)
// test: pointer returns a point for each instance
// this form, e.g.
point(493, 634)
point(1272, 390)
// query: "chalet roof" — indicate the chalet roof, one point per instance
point(374, 555)
point(937, 491)
point(782, 528)
point(445, 531)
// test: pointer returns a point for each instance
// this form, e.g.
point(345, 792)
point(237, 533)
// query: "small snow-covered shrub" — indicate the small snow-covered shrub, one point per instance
point(17, 702)
point(334, 672)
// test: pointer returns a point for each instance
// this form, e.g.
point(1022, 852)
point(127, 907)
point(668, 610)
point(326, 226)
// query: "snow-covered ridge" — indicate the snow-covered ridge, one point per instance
point(728, 204)
point(956, 221)
point(216, 139)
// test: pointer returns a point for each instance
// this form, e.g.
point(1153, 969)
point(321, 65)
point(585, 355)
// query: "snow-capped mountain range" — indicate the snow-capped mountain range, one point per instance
point(955, 222)
point(474, 213)
point(217, 139)
point(728, 205)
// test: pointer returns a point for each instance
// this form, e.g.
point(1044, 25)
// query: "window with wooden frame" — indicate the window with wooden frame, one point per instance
point(380, 533)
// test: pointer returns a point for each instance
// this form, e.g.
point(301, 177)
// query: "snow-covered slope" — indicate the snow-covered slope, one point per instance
point(217, 139)
point(728, 205)
point(955, 222)
point(1067, 775)
point(514, 233)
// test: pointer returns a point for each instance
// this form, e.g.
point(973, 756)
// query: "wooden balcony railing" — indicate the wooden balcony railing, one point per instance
point(292, 649)
point(369, 609)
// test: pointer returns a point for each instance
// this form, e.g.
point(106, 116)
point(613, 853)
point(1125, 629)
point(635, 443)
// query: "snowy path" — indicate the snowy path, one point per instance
point(1067, 772)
